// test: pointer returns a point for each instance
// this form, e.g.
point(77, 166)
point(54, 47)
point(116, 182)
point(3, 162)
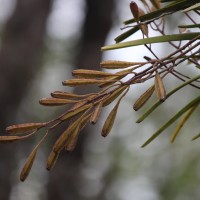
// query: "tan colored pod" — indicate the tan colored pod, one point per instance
point(51, 161)
point(95, 116)
point(115, 64)
point(28, 165)
point(55, 101)
point(79, 82)
point(159, 87)
point(83, 73)
point(143, 98)
point(24, 128)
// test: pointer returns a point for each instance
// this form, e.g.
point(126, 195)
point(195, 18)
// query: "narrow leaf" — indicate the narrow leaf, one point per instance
point(151, 40)
point(168, 9)
point(126, 34)
point(189, 26)
point(196, 137)
point(193, 7)
point(182, 122)
point(172, 120)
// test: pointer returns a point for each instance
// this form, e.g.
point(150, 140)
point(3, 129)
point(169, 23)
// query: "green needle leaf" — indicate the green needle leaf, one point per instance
point(157, 39)
point(172, 120)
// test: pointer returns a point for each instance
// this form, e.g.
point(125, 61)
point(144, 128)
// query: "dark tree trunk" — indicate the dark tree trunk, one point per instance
point(19, 61)
point(66, 177)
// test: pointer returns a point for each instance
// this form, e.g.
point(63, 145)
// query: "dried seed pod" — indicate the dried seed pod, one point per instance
point(64, 95)
point(72, 113)
point(68, 95)
point(72, 139)
point(114, 64)
point(83, 73)
point(96, 114)
point(135, 10)
point(79, 82)
point(5, 139)
point(51, 161)
point(114, 95)
point(110, 121)
point(111, 117)
point(141, 12)
point(55, 101)
point(28, 164)
point(113, 79)
point(143, 98)
point(159, 87)
point(85, 121)
point(144, 29)
point(24, 128)
point(155, 3)
point(61, 141)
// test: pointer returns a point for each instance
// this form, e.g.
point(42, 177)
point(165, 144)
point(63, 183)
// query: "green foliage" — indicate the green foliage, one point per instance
point(86, 108)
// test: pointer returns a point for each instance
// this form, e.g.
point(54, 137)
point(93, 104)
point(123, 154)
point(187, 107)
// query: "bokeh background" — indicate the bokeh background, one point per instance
point(41, 41)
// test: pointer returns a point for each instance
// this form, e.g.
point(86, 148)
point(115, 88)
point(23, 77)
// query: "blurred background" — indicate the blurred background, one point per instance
point(41, 41)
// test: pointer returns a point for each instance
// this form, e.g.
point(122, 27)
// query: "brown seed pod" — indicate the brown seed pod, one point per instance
point(85, 121)
point(55, 101)
point(51, 161)
point(61, 141)
point(114, 95)
point(6, 139)
point(115, 64)
point(155, 3)
point(111, 117)
point(144, 29)
point(110, 121)
point(24, 128)
point(72, 113)
point(83, 73)
point(72, 139)
point(159, 87)
point(79, 82)
point(135, 10)
point(95, 116)
point(28, 164)
point(143, 98)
